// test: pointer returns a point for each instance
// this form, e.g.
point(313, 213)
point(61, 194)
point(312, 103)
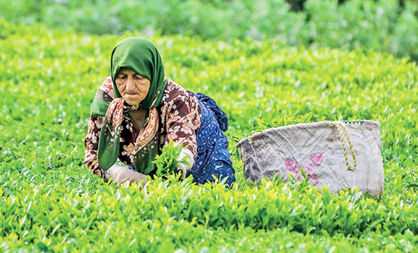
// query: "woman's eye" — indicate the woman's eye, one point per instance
point(138, 77)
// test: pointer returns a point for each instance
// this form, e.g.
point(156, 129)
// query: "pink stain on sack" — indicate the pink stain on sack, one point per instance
point(291, 166)
point(316, 159)
point(294, 167)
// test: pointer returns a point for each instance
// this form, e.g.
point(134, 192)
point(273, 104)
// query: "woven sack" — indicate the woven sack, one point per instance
point(336, 154)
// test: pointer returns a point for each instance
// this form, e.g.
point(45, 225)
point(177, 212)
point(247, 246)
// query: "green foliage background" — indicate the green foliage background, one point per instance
point(51, 202)
point(266, 66)
point(379, 25)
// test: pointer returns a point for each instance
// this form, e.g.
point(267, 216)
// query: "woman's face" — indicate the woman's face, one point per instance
point(132, 86)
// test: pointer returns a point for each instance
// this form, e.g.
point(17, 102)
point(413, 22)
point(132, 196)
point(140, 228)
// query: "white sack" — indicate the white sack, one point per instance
point(318, 148)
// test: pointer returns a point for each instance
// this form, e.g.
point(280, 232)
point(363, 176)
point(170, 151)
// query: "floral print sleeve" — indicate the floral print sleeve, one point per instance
point(180, 116)
point(91, 143)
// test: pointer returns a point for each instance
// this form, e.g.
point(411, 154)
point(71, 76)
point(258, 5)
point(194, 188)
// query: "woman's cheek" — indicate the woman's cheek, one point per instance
point(121, 88)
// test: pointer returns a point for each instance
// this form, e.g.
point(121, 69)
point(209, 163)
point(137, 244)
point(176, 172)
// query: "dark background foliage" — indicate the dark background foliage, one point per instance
point(379, 25)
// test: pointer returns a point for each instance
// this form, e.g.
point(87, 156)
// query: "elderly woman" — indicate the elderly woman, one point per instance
point(138, 110)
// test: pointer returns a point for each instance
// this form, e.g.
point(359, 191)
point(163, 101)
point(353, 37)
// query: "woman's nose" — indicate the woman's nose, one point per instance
point(130, 85)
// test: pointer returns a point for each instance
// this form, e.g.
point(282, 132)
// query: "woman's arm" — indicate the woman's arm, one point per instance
point(91, 143)
point(182, 118)
point(118, 174)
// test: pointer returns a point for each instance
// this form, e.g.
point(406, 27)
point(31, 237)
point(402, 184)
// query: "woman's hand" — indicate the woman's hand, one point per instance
point(121, 174)
point(183, 168)
point(185, 156)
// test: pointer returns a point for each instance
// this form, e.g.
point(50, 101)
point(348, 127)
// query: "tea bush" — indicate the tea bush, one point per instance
point(382, 25)
point(51, 202)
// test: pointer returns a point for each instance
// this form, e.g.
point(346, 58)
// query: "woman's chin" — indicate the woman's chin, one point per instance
point(132, 102)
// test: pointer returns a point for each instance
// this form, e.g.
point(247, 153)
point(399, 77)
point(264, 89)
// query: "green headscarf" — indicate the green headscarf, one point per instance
point(141, 56)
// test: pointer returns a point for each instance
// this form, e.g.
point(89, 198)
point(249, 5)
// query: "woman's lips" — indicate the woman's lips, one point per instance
point(131, 94)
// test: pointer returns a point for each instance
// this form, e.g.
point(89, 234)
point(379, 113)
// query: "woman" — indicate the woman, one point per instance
point(137, 110)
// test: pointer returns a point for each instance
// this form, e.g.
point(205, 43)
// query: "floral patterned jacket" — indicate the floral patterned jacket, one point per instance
point(179, 115)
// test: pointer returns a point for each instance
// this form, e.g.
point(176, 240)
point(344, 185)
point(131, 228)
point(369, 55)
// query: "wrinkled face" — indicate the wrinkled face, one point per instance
point(132, 86)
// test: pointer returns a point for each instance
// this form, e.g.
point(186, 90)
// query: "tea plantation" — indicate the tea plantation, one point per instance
point(50, 201)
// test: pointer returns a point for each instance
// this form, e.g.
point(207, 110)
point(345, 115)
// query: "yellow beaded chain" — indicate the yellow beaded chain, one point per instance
point(342, 129)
